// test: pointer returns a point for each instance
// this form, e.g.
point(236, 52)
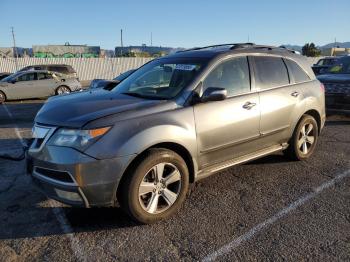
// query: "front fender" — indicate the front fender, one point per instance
point(133, 136)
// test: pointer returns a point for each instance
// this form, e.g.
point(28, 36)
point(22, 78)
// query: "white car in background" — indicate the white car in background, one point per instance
point(36, 84)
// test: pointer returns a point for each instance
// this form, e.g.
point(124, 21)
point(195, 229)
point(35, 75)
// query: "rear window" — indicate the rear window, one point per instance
point(297, 72)
point(270, 72)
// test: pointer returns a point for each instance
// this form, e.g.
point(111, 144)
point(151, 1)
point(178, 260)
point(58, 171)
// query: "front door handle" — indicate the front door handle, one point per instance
point(295, 94)
point(249, 105)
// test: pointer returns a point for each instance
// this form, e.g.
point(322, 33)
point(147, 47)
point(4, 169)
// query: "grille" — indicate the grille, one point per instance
point(55, 174)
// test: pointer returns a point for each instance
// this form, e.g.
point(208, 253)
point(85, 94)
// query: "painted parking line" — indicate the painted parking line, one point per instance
point(59, 213)
point(229, 247)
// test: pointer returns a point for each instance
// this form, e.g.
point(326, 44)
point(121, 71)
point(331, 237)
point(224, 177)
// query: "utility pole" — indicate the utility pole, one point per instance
point(151, 39)
point(121, 42)
point(15, 54)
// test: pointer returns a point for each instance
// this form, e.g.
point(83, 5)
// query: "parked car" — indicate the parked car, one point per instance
point(142, 143)
point(337, 86)
point(36, 84)
point(109, 84)
point(323, 64)
point(65, 70)
point(4, 74)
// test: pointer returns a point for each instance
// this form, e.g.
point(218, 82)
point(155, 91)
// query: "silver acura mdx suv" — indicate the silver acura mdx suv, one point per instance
point(142, 143)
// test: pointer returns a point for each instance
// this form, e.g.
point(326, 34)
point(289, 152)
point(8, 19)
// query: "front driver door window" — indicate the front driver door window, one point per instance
point(227, 129)
point(233, 75)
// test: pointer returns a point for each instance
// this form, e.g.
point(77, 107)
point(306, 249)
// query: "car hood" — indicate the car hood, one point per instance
point(334, 78)
point(77, 109)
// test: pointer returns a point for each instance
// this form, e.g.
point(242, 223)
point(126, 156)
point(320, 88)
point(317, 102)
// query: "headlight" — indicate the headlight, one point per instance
point(79, 139)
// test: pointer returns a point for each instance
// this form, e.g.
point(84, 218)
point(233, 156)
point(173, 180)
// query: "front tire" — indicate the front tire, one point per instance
point(2, 97)
point(156, 187)
point(303, 142)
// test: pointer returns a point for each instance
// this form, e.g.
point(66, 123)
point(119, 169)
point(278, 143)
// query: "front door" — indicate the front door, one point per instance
point(228, 129)
point(24, 87)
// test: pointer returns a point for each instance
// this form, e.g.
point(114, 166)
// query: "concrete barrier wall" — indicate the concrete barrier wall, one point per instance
point(87, 68)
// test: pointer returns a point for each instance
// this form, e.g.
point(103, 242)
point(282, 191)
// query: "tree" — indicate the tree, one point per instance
point(311, 50)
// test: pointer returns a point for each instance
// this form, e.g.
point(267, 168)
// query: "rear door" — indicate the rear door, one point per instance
point(227, 129)
point(46, 84)
point(278, 97)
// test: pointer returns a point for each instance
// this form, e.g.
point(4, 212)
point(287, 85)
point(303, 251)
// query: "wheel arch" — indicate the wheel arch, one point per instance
point(311, 112)
point(176, 147)
point(316, 115)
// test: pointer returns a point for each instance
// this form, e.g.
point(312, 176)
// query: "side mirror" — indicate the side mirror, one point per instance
point(214, 94)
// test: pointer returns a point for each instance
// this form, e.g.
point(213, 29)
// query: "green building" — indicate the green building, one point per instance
point(66, 51)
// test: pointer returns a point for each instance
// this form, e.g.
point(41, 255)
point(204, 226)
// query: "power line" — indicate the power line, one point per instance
point(15, 53)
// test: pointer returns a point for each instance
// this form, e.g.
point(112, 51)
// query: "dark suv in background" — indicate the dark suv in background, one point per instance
point(65, 70)
point(337, 86)
point(323, 65)
point(206, 109)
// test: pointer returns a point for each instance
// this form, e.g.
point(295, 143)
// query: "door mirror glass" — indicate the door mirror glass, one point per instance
point(214, 94)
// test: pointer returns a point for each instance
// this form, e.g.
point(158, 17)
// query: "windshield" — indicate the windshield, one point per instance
point(161, 79)
point(124, 75)
point(11, 77)
point(341, 67)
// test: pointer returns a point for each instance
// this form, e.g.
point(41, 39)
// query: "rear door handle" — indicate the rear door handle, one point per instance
point(295, 94)
point(249, 105)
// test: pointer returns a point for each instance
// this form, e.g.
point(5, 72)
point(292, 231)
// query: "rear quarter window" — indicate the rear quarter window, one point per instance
point(270, 72)
point(59, 69)
point(297, 72)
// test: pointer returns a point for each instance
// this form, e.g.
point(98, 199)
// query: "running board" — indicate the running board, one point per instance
point(242, 159)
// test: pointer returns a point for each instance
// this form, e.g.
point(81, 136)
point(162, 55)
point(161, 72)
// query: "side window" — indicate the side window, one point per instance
point(298, 73)
point(270, 72)
point(232, 74)
point(41, 76)
point(26, 77)
point(320, 62)
point(44, 76)
point(48, 76)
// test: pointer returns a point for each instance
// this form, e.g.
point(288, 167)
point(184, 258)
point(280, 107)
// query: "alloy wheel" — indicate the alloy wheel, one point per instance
point(2, 98)
point(159, 188)
point(63, 90)
point(306, 138)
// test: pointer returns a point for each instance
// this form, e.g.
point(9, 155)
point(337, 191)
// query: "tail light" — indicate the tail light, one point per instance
point(322, 87)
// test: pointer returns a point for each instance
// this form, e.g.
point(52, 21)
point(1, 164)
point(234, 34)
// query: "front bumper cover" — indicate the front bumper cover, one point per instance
point(93, 182)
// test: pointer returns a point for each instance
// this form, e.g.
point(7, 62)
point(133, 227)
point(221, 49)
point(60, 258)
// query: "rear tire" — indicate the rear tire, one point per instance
point(62, 90)
point(2, 97)
point(304, 140)
point(156, 187)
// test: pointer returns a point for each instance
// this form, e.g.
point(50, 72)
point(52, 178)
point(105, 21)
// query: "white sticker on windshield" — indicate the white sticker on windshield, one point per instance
point(185, 67)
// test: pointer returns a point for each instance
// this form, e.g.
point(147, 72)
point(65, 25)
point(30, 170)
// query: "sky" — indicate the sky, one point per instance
point(174, 23)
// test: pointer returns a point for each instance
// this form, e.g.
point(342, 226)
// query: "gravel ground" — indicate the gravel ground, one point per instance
point(269, 209)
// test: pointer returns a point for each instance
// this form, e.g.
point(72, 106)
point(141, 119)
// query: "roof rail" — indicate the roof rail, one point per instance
point(242, 45)
point(212, 46)
point(275, 47)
